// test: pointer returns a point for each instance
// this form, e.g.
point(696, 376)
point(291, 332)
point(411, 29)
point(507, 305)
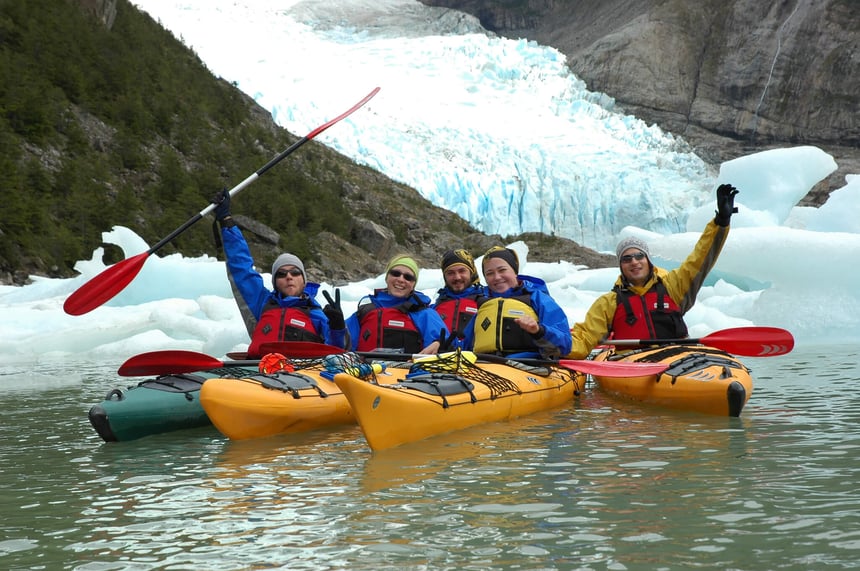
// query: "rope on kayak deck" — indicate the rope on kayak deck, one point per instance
point(456, 363)
point(692, 358)
point(352, 364)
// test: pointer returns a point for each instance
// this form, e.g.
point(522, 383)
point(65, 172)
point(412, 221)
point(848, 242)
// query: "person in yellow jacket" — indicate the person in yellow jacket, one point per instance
point(648, 302)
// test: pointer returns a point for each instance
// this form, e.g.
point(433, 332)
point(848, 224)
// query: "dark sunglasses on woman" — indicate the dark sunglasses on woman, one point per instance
point(404, 275)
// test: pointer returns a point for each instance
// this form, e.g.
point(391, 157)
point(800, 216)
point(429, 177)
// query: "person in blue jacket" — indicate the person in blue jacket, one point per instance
point(517, 318)
point(287, 312)
point(397, 317)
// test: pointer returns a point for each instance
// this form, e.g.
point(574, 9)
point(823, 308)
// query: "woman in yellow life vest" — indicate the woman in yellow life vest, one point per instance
point(517, 317)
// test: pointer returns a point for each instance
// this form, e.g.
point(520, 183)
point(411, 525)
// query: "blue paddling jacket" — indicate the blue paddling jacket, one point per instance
point(259, 298)
point(551, 342)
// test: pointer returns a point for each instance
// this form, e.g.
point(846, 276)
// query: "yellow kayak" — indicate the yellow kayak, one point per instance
point(451, 393)
point(698, 378)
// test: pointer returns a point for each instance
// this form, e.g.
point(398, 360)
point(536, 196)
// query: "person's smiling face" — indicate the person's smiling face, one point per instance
point(635, 266)
point(400, 281)
point(499, 275)
point(458, 277)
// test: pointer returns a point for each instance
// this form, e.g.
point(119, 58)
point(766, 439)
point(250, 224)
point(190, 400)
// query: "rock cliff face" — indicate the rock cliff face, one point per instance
point(730, 76)
point(103, 10)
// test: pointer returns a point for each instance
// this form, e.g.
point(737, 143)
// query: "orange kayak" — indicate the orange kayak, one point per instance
point(698, 378)
point(260, 405)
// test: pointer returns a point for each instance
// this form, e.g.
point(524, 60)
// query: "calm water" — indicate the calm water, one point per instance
point(600, 484)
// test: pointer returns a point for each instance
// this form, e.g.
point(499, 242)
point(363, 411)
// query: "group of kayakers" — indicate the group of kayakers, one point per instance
point(512, 315)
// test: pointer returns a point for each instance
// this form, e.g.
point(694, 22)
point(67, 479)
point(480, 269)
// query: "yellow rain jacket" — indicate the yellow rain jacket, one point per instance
point(682, 284)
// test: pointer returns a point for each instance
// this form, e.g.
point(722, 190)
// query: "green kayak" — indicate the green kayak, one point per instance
point(161, 404)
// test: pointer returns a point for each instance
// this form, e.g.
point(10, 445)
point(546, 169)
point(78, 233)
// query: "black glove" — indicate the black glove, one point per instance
point(333, 311)
point(222, 211)
point(725, 204)
point(446, 342)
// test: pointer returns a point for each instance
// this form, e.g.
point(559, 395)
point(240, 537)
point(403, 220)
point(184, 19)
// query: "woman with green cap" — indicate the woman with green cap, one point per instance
point(397, 317)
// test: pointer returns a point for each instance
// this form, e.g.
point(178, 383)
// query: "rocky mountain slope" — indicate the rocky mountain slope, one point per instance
point(729, 76)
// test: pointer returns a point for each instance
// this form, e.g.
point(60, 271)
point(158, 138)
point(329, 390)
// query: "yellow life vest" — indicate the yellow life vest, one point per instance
point(495, 329)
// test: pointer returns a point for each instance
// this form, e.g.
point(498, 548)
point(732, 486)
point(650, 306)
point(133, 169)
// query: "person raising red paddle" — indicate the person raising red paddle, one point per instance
point(649, 302)
point(288, 312)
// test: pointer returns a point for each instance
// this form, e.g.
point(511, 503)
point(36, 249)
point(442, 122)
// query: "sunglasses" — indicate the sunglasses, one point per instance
point(399, 274)
point(627, 258)
point(295, 272)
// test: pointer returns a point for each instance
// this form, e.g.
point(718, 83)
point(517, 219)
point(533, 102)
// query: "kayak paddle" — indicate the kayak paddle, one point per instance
point(301, 349)
point(608, 368)
point(178, 361)
point(173, 361)
point(115, 278)
point(614, 368)
point(747, 341)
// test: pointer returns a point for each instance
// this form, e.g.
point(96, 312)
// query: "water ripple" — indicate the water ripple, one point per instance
point(601, 484)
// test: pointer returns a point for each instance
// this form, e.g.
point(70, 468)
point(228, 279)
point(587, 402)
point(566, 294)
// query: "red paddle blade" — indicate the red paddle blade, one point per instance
point(343, 115)
point(300, 349)
point(104, 286)
point(752, 341)
point(614, 368)
point(166, 362)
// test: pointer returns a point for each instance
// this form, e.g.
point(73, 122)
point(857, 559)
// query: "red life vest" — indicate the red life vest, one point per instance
point(388, 327)
point(283, 324)
point(654, 315)
point(457, 312)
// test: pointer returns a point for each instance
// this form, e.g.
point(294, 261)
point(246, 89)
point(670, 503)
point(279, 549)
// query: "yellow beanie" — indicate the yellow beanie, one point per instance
point(402, 260)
